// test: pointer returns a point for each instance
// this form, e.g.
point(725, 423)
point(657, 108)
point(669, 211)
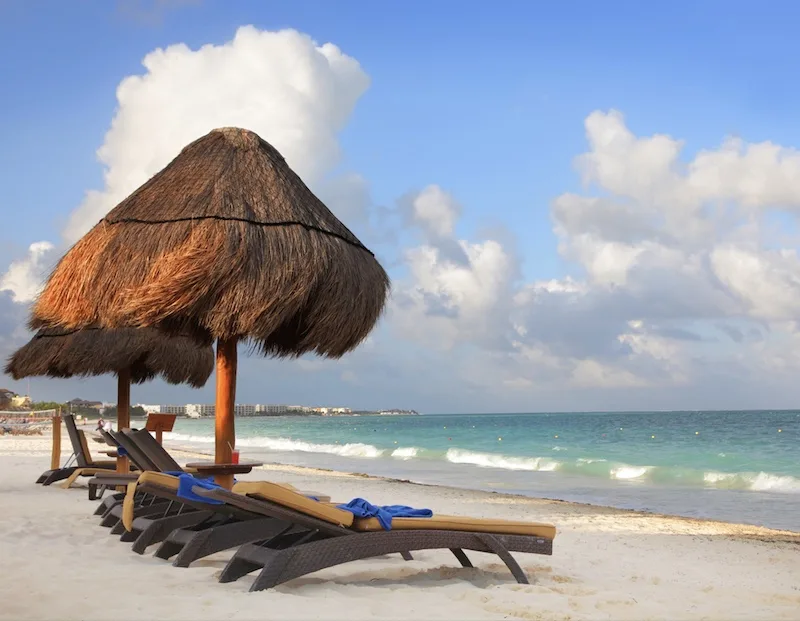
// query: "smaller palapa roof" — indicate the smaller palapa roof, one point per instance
point(145, 352)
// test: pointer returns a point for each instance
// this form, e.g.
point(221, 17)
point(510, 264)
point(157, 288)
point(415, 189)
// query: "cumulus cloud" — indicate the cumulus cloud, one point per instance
point(679, 275)
point(12, 325)
point(282, 85)
point(24, 277)
point(677, 271)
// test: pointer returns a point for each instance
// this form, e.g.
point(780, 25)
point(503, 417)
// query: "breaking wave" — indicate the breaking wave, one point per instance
point(489, 460)
point(287, 445)
point(405, 453)
point(586, 466)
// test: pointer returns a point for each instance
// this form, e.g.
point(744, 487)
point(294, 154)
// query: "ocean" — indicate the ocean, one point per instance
point(733, 466)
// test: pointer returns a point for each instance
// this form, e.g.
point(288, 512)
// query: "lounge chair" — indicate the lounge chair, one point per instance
point(141, 444)
point(104, 480)
point(94, 467)
point(297, 535)
point(79, 461)
point(155, 516)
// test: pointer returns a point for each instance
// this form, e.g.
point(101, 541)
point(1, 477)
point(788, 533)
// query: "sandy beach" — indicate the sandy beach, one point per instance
point(57, 562)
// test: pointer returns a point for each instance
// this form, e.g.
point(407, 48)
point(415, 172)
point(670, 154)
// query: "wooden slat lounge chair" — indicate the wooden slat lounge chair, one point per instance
point(297, 535)
point(93, 468)
point(80, 459)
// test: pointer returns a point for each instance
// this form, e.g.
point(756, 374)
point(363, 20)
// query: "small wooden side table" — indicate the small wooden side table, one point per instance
point(223, 473)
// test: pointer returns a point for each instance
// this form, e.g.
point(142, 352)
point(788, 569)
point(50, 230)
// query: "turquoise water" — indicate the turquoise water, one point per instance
point(724, 465)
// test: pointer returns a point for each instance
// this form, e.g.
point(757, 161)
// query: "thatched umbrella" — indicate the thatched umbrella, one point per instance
point(133, 355)
point(228, 242)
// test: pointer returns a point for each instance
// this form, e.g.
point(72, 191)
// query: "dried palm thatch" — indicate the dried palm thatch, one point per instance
point(146, 353)
point(228, 242)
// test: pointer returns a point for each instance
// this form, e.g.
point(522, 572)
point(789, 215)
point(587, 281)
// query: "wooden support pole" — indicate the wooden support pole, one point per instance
point(225, 433)
point(55, 454)
point(123, 412)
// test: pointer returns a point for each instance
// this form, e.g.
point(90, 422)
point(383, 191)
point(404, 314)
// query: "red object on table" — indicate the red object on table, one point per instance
point(235, 456)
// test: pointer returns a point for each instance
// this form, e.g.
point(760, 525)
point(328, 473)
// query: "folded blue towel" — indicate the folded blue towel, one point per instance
point(121, 451)
point(185, 484)
point(364, 509)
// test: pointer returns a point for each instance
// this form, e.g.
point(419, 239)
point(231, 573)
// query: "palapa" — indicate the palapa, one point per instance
point(144, 353)
point(227, 242)
point(133, 355)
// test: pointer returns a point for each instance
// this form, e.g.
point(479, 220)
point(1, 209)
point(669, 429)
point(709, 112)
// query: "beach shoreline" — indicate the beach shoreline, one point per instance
point(607, 563)
point(185, 454)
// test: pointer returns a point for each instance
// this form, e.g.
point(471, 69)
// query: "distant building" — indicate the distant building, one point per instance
point(150, 409)
point(196, 410)
point(21, 401)
point(83, 403)
point(6, 397)
point(244, 409)
point(271, 410)
point(179, 410)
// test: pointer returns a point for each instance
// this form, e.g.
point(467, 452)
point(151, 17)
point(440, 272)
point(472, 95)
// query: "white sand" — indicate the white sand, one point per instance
point(56, 562)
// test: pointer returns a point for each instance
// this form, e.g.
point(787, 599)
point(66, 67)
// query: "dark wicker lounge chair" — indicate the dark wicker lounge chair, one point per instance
point(156, 516)
point(151, 454)
point(104, 480)
point(80, 462)
point(285, 534)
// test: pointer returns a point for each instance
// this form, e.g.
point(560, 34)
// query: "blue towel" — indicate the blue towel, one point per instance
point(363, 509)
point(185, 484)
point(121, 451)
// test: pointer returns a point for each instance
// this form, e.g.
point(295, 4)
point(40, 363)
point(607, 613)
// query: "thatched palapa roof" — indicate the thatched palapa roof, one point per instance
point(226, 241)
point(146, 353)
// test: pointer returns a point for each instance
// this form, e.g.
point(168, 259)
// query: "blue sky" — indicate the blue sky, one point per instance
point(487, 101)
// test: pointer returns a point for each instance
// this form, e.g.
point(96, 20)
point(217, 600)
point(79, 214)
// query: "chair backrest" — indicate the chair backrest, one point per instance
point(85, 449)
point(79, 445)
point(115, 438)
point(151, 449)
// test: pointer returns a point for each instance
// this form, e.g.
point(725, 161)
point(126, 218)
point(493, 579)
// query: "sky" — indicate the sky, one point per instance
point(581, 206)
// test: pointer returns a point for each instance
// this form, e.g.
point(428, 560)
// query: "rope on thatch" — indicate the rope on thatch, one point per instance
point(309, 227)
point(228, 242)
point(147, 353)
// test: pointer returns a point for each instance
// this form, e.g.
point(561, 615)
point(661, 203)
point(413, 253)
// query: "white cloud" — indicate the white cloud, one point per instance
point(296, 94)
point(680, 276)
point(435, 211)
point(681, 273)
point(25, 277)
point(456, 290)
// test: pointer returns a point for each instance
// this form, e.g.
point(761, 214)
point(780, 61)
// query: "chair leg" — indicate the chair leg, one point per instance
point(158, 530)
point(118, 528)
point(58, 475)
point(43, 477)
point(96, 491)
point(239, 565)
point(224, 537)
point(462, 557)
point(285, 559)
point(108, 503)
point(272, 574)
point(491, 542)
